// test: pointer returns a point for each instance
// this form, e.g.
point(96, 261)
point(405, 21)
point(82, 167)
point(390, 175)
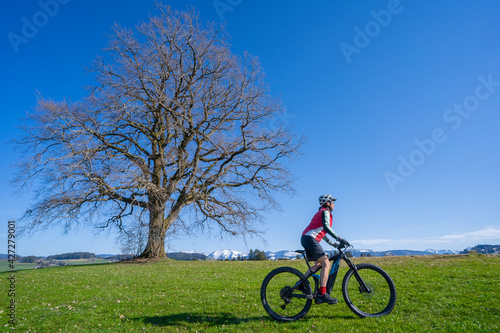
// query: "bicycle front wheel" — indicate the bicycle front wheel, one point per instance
point(279, 300)
point(377, 300)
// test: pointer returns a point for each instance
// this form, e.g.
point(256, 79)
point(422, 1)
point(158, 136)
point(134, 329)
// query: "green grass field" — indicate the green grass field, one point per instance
point(435, 293)
point(84, 261)
point(5, 266)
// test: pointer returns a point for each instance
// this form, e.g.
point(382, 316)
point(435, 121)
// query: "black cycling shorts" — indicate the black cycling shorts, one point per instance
point(314, 251)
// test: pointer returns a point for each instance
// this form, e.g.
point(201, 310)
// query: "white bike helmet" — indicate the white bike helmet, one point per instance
point(325, 198)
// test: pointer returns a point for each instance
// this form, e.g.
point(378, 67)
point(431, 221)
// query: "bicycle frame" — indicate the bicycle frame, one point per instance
point(332, 276)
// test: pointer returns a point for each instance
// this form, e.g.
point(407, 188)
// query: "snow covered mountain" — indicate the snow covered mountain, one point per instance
point(230, 254)
point(290, 254)
point(227, 254)
point(285, 254)
point(433, 251)
point(376, 253)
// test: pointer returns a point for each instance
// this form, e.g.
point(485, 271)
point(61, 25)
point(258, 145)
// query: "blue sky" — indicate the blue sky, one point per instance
point(399, 100)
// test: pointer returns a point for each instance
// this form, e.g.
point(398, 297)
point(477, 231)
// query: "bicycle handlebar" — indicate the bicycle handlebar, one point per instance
point(340, 246)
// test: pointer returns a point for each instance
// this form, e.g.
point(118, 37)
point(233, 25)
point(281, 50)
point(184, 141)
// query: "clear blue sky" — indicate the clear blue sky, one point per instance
point(400, 102)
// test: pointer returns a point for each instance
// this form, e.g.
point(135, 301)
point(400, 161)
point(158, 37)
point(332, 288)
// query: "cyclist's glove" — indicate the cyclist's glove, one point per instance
point(343, 242)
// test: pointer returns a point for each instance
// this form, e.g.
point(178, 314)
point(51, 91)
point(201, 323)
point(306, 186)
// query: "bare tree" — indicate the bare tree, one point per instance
point(174, 133)
point(133, 241)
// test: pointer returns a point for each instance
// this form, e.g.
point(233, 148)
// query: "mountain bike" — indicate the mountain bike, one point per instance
point(368, 290)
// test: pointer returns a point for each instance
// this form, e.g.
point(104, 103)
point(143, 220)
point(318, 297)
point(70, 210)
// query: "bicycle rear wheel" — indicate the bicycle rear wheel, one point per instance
point(378, 301)
point(278, 299)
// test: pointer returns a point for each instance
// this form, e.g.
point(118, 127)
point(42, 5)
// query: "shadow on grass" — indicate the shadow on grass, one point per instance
point(330, 316)
point(216, 319)
point(205, 319)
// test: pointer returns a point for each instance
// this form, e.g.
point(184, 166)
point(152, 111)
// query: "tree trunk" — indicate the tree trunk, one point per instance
point(155, 247)
point(158, 226)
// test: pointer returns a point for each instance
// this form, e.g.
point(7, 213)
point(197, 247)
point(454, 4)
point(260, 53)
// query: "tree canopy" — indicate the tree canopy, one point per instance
point(173, 135)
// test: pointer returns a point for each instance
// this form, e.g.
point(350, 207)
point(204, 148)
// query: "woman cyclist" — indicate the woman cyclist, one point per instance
point(321, 224)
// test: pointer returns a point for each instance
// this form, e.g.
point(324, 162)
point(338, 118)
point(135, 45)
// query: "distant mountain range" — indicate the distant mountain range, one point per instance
point(230, 254)
point(375, 253)
point(289, 254)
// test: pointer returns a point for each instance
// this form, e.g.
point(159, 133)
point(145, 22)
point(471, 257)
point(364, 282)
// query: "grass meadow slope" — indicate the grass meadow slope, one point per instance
point(435, 293)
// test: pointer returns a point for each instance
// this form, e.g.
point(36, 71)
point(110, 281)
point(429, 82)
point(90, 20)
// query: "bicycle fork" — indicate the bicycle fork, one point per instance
point(363, 287)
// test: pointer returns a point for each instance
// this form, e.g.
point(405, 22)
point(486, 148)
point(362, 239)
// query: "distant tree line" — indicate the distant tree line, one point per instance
point(30, 259)
point(119, 257)
point(257, 255)
point(186, 256)
point(73, 255)
point(486, 249)
point(49, 263)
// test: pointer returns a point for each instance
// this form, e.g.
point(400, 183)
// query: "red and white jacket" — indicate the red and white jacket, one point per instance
point(320, 225)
